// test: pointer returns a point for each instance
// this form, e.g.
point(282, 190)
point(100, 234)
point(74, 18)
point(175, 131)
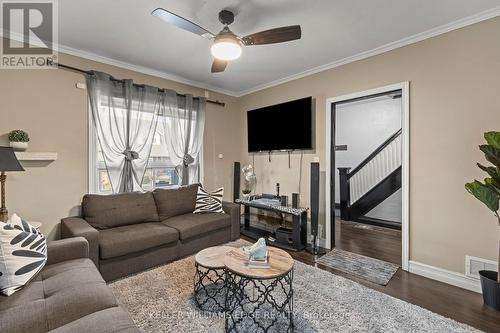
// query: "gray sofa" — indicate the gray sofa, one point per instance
point(131, 232)
point(68, 295)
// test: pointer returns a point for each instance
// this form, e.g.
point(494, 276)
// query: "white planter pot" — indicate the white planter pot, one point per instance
point(19, 146)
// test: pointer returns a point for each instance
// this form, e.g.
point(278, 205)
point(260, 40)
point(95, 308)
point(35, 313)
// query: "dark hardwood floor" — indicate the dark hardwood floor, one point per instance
point(385, 244)
point(371, 241)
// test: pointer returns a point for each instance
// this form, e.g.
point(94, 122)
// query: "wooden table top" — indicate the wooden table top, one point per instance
point(212, 257)
point(281, 263)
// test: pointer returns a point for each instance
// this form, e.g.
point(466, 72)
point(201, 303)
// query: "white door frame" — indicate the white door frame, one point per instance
point(405, 181)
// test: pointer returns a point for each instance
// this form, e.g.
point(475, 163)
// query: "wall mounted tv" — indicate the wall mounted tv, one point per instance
point(285, 126)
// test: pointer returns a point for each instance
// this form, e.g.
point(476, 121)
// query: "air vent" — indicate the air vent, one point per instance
point(474, 264)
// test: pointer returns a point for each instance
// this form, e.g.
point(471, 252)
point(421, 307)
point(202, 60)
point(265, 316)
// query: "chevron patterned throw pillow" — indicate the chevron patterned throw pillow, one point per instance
point(209, 202)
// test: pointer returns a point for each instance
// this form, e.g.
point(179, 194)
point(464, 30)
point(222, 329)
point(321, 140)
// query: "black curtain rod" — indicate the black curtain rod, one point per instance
point(89, 73)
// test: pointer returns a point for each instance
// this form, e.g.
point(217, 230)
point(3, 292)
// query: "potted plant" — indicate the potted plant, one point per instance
point(19, 140)
point(488, 192)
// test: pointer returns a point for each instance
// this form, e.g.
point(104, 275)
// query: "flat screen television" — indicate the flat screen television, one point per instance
point(285, 126)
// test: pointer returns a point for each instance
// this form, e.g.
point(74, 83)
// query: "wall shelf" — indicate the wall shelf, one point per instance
point(28, 156)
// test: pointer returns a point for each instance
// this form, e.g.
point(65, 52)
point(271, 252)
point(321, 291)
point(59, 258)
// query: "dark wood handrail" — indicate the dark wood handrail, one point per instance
point(374, 153)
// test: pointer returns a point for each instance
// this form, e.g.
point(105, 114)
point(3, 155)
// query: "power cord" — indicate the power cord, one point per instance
point(300, 169)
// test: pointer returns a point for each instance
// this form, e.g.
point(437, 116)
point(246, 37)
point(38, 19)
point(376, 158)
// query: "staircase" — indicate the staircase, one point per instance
point(374, 180)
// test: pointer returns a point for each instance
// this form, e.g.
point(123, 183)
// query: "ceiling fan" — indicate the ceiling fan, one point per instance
point(227, 46)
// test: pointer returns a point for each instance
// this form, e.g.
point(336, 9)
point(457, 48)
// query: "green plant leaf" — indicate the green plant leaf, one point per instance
point(18, 136)
point(484, 194)
point(490, 182)
point(492, 171)
point(495, 187)
point(496, 183)
point(493, 139)
point(492, 154)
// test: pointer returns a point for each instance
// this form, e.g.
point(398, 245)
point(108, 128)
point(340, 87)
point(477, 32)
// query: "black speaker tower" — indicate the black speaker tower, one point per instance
point(314, 202)
point(236, 189)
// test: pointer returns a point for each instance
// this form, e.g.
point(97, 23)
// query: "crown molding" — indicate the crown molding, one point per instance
point(482, 16)
point(476, 18)
point(122, 64)
point(143, 70)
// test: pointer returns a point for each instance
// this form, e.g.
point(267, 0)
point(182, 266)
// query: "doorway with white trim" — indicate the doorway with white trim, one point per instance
point(367, 180)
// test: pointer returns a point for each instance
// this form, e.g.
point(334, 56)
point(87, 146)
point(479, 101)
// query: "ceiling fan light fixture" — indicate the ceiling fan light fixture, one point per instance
point(227, 46)
point(226, 49)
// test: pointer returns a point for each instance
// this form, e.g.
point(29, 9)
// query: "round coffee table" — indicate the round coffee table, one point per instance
point(258, 299)
point(209, 279)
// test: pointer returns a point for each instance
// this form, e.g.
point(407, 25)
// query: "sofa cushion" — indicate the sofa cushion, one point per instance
point(31, 293)
point(46, 284)
point(73, 289)
point(173, 202)
point(192, 225)
point(29, 318)
point(112, 320)
point(71, 303)
point(70, 265)
point(61, 293)
point(133, 238)
point(68, 274)
point(109, 211)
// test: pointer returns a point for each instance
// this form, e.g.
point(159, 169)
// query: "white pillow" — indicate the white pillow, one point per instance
point(23, 253)
point(209, 202)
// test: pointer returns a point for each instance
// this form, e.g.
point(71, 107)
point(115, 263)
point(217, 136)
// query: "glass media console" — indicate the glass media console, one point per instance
point(298, 240)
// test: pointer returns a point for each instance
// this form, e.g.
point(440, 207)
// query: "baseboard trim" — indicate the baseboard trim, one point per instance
point(446, 276)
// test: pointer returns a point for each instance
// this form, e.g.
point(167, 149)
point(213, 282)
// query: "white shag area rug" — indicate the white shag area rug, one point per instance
point(161, 300)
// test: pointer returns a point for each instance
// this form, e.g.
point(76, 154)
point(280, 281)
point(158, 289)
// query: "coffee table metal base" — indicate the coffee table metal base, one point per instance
point(209, 288)
point(259, 305)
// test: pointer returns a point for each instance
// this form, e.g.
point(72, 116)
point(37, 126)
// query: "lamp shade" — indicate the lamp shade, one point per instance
point(8, 160)
point(226, 49)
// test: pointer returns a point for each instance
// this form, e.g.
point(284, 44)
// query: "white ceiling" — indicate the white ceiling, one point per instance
point(332, 31)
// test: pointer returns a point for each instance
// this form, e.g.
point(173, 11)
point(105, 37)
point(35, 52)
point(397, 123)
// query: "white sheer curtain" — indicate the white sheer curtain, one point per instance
point(183, 121)
point(125, 118)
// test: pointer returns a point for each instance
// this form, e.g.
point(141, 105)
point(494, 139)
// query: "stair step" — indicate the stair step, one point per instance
point(378, 222)
point(376, 195)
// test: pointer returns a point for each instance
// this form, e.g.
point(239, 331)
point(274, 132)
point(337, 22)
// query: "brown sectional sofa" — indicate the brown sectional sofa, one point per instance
point(130, 232)
point(68, 295)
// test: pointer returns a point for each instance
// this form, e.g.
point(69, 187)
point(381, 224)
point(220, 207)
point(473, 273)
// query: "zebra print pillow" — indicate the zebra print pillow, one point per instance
point(23, 253)
point(207, 202)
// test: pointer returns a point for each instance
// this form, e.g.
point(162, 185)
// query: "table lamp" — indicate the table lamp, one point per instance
point(8, 162)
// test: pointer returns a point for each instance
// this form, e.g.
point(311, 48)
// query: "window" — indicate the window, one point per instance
point(160, 171)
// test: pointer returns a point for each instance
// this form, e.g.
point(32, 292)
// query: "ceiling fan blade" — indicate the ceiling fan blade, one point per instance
point(277, 35)
point(181, 22)
point(219, 66)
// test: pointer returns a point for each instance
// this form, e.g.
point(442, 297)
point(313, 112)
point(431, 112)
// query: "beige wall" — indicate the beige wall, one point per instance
point(455, 84)
point(53, 111)
point(454, 98)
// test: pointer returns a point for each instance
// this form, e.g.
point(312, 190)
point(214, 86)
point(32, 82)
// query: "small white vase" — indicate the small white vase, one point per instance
point(19, 146)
